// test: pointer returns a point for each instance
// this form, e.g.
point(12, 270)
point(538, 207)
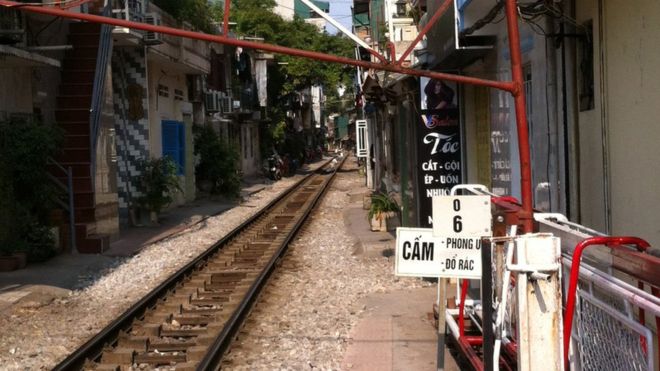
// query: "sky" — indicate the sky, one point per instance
point(340, 10)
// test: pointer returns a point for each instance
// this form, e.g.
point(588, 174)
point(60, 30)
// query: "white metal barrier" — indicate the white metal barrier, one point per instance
point(608, 332)
point(615, 321)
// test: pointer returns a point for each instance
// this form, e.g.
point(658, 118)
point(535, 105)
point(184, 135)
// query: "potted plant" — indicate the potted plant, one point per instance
point(383, 212)
point(13, 255)
point(38, 242)
point(158, 183)
point(7, 261)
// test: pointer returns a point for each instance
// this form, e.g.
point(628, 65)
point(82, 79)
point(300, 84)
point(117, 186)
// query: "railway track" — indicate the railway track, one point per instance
point(189, 321)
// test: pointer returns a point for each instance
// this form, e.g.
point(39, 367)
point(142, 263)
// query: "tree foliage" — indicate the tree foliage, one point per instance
point(157, 183)
point(199, 13)
point(256, 18)
point(218, 162)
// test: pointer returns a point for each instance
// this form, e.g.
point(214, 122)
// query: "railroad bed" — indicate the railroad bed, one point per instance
point(189, 321)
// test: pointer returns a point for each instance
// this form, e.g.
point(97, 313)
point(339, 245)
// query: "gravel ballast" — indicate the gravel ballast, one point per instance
point(304, 320)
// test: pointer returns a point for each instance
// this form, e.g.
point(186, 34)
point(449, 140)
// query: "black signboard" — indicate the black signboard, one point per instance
point(438, 142)
point(500, 151)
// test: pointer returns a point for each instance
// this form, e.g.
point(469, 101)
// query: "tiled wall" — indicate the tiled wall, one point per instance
point(131, 120)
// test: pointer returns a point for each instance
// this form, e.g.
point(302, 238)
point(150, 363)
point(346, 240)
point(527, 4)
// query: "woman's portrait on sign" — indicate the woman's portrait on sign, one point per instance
point(438, 103)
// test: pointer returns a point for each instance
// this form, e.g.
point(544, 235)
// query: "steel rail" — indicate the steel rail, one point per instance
point(93, 348)
point(216, 351)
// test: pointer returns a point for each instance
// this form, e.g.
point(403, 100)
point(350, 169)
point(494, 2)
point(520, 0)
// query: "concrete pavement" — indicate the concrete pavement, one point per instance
point(396, 332)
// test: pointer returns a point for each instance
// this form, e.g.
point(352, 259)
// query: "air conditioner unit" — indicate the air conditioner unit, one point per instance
point(152, 38)
point(226, 104)
point(212, 101)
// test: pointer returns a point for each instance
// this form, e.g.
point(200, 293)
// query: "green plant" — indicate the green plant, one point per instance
point(381, 203)
point(157, 183)
point(38, 243)
point(218, 162)
point(26, 196)
point(25, 148)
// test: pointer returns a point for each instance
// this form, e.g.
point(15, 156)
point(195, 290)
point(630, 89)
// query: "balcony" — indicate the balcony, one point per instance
point(180, 54)
point(14, 48)
point(128, 10)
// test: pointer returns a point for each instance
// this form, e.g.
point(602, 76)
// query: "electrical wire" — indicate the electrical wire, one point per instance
point(529, 12)
point(488, 18)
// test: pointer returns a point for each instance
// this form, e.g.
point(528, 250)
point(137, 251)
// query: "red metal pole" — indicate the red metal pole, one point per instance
point(225, 20)
point(471, 356)
point(526, 216)
point(461, 308)
point(612, 242)
point(438, 13)
point(502, 85)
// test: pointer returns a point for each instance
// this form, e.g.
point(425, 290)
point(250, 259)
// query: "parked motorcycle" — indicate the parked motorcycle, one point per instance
point(273, 167)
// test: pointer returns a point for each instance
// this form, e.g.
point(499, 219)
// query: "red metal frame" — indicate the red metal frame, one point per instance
point(526, 216)
point(615, 243)
point(461, 308)
point(221, 39)
point(225, 18)
point(515, 87)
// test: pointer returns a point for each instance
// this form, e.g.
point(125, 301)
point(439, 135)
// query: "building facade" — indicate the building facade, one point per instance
point(590, 107)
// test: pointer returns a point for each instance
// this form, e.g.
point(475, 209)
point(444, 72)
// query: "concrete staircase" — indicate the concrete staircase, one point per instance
point(73, 116)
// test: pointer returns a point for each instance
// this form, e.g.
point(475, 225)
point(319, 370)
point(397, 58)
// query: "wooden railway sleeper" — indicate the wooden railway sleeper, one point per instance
point(159, 359)
point(170, 345)
point(136, 342)
point(193, 320)
point(183, 333)
point(179, 328)
point(215, 310)
point(118, 356)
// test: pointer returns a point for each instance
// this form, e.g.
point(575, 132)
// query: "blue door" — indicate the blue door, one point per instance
point(174, 134)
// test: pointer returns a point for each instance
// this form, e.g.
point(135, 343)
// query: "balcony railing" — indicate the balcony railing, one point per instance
point(129, 10)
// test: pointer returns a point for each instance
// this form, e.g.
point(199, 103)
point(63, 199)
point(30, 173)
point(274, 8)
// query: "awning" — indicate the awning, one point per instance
point(20, 57)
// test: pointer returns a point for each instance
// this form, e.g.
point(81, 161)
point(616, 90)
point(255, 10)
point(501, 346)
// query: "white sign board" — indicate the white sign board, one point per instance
point(462, 216)
point(362, 138)
point(420, 254)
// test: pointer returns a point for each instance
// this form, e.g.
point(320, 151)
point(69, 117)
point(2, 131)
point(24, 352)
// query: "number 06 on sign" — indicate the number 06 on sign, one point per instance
point(462, 216)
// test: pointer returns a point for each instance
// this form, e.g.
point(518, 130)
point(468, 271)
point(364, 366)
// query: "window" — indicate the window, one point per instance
point(174, 133)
